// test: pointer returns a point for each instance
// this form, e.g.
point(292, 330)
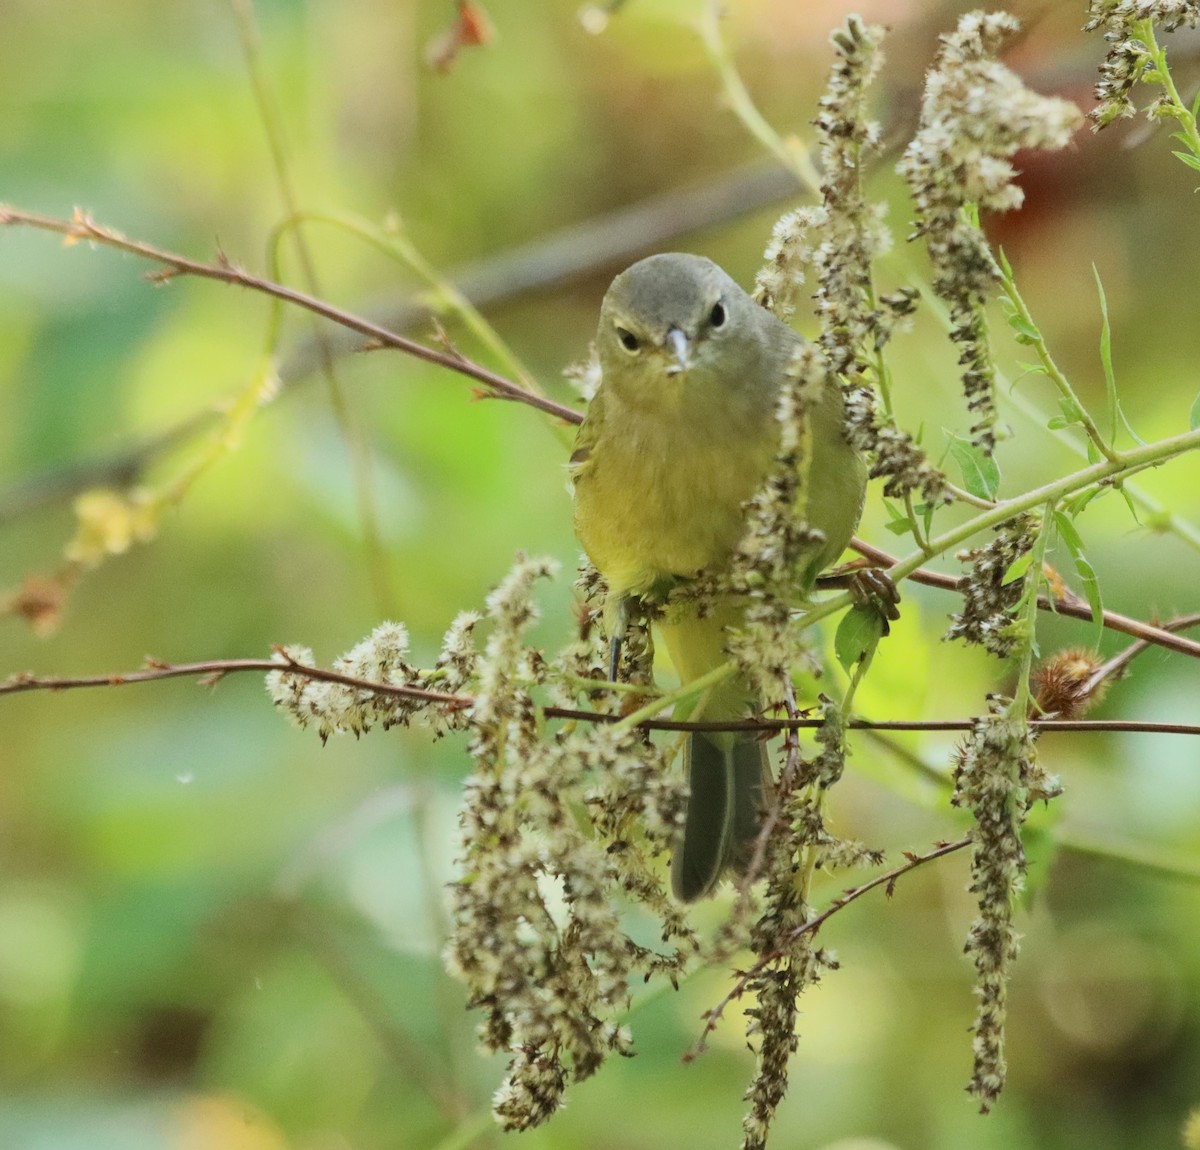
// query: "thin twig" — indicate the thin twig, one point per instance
point(82, 227)
point(349, 422)
point(888, 878)
point(213, 670)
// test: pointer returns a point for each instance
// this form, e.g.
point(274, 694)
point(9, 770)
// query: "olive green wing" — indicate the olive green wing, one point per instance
point(586, 438)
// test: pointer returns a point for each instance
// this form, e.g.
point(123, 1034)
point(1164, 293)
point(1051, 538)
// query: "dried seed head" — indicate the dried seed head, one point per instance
point(1063, 687)
point(974, 115)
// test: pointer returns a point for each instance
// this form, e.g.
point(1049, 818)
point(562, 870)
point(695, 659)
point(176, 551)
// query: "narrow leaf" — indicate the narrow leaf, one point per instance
point(1087, 573)
point(1071, 410)
point(1194, 417)
point(1077, 503)
point(898, 523)
point(1110, 379)
point(980, 472)
point(1017, 568)
point(1026, 332)
point(1189, 159)
point(1131, 505)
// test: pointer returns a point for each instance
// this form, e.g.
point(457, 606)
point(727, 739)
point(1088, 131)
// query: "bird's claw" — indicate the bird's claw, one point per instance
point(873, 587)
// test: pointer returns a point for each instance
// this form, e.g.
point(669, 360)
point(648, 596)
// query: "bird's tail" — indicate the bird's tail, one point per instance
point(728, 776)
point(729, 773)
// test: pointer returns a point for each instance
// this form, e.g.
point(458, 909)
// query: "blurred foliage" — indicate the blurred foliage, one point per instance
point(216, 933)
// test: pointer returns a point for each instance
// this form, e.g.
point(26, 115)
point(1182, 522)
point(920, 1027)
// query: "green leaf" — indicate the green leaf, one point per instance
point(1070, 408)
point(1129, 427)
point(858, 632)
point(1026, 333)
point(1077, 503)
point(1110, 379)
point(1194, 416)
point(1017, 568)
point(980, 472)
point(898, 523)
point(1131, 505)
point(1189, 159)
point(1084, 569)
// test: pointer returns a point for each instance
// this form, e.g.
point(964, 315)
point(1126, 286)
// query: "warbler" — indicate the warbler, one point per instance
point(680, 433)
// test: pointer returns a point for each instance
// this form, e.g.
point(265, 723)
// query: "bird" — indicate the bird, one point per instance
point(679, 434)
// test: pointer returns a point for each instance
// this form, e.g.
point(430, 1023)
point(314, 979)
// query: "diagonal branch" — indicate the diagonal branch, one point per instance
point(1075, 608)
point(82, 227)
point(888, 878)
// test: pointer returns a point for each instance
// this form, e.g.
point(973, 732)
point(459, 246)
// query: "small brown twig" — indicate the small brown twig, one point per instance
point(712, 1017)
point(213, 670)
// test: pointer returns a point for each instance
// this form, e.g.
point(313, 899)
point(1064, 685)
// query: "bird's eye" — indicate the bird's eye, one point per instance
point(629, 341)
point(717, 316)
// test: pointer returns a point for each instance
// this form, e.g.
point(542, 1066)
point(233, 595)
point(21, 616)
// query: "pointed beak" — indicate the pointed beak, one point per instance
point(680, 349)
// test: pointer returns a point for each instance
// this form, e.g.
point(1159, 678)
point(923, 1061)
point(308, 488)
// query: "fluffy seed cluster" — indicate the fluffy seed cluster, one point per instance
point(789, 253)
point(788, 961)
point(767, 564)
point(585, 376)
point(537, 939)
point(892, 452)
point(856, 321)
point(380, 660)
point(997, 777)
point(990, 595)
point(1129, 59)
point(975, 114)
point(586, 657)
point(853, 234)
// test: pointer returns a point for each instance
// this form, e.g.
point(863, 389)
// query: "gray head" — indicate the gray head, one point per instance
point(674, 327)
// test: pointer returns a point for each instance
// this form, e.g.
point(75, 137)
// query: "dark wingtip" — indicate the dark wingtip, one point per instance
point(703, 854)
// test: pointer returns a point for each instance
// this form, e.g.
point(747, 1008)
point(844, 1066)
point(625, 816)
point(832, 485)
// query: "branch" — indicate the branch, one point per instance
point(889, 878)
point(1075, 608)
point(82, 227)
point(211, 671)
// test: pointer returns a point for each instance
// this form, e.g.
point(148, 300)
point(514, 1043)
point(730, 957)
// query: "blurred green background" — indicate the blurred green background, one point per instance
point(215, 933)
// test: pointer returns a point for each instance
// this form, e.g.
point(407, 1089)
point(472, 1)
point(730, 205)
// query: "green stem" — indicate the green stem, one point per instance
point(1031, 334)
point(1050, 493)
point(681, 694)
point(1151, 453)
point(1163, 519)
point(1183, 114)
point(396, 245)
point(790, 152)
